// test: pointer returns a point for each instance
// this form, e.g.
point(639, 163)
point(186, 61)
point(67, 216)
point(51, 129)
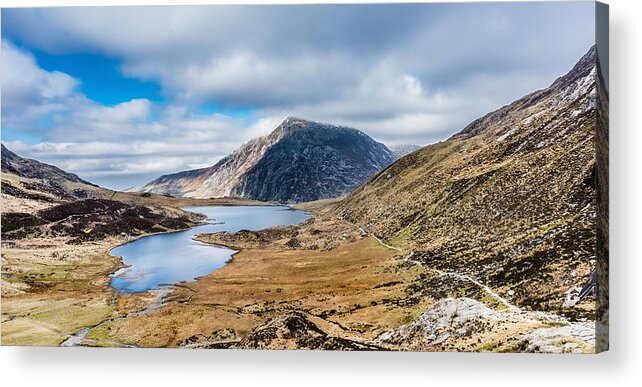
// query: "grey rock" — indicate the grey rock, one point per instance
point(446, 318)
point(573, 338)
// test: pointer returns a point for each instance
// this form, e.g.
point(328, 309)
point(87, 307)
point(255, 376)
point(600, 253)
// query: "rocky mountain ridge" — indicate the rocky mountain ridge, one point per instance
point(31, 184)
point(299, 161)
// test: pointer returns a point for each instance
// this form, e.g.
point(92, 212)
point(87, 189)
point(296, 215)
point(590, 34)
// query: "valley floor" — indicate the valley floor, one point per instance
point(51, 290)
point(324, 284)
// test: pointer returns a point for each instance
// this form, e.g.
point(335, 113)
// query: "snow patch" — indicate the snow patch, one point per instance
point(505, 135)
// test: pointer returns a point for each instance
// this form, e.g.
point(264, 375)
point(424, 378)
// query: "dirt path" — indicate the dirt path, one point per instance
point(488, 290)
point(442, 273)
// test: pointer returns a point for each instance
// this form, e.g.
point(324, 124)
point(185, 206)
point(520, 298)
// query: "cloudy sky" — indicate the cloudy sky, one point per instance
point(121, 95)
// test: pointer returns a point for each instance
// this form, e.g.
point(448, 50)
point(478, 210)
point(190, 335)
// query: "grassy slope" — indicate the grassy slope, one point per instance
point(510, 200)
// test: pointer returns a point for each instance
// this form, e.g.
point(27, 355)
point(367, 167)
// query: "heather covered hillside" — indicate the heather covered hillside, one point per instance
point(511, 198)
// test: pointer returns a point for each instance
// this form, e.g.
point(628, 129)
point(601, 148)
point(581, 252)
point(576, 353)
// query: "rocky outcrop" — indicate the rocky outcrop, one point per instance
point(466, 324)
point(299, 161)
point(572, 338)
point(294, 330)
point(447, 317)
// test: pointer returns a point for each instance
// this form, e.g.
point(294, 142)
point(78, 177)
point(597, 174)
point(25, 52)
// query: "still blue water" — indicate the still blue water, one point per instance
point(175, 257)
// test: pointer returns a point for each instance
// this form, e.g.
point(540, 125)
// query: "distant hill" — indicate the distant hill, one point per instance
point(30, 183)
point(299, 161)
point(401, 150)
point(41, 200)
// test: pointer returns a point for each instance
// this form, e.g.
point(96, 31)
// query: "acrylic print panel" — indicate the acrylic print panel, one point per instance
point(405, 177)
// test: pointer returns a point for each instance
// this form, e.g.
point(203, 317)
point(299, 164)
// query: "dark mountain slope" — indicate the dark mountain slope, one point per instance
point(41, 200)
point(90, 220)
point(299, 161)
point(313, 161)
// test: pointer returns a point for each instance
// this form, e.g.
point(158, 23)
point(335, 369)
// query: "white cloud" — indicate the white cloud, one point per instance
point(134, 110)
point(280, 56)
point(28, 91)
point(412, 85)
point(120, 150)
point(402, 73)
point(87, 120)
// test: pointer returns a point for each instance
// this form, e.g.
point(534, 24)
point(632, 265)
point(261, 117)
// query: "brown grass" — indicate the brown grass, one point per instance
point(355, 291)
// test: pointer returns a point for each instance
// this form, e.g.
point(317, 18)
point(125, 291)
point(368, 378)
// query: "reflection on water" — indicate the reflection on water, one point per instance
point(175, 257)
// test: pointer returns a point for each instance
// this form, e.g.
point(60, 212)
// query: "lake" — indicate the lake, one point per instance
point(164, 259)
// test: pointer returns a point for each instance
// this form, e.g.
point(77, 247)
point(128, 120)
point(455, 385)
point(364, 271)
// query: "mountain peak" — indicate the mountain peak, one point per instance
point(299, 161)
point(566, 89)
point(293, 119)
point(296, 125)
point(293, 122)
point(582, 68)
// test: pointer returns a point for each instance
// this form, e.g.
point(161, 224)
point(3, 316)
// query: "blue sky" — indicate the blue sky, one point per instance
point(120, 95)
point(100, 77)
